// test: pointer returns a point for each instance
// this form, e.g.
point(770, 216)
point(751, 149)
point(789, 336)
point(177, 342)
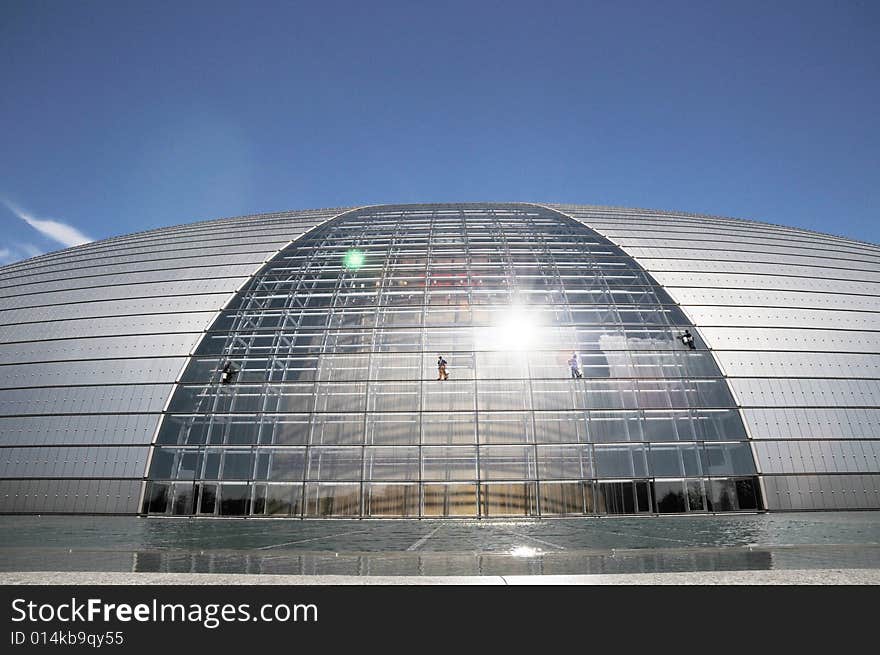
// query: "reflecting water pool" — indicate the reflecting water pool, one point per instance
point(564, 546)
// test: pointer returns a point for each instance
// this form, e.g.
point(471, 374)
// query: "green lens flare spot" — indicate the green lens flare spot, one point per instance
point(353, 259)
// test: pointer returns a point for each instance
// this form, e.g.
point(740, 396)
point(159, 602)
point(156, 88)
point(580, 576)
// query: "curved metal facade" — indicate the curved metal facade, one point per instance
point(793, 318)
point(102, 343)
point(92, 340)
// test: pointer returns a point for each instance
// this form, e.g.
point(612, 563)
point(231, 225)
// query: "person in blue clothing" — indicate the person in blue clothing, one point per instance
point(441, 368)
point(573, 365)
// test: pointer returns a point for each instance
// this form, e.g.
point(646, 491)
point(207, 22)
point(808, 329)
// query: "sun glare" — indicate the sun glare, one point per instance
point(516, 329)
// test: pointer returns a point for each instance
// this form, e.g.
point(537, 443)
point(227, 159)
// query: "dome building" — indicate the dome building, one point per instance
point(592, 361)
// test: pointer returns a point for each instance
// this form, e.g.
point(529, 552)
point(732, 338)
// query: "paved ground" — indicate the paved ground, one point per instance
point(786, 577)
point(826, 544)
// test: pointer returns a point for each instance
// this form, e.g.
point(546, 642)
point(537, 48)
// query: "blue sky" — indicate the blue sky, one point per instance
point(123, 116)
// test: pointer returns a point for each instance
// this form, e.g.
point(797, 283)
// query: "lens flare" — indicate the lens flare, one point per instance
point(353, 259)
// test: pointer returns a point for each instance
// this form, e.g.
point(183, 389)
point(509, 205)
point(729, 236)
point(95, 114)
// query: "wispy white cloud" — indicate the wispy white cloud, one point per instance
point(65, 234)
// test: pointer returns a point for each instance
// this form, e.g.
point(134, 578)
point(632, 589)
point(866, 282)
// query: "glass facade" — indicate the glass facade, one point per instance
point(316, 392)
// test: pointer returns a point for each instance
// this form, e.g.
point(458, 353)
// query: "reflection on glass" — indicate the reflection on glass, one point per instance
point(390, 500)
point(508, 499)
point(443, 500)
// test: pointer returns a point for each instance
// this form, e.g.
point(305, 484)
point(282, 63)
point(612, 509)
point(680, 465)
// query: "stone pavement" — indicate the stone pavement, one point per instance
point(781, 577)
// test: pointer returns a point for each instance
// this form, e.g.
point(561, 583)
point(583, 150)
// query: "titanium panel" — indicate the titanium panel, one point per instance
point(73, 461)
point(69, 496)
point(748, 316)
point(812, 423)
point(755, 298)
point(88, 372)
point(822, 492)
point(109, 399)
point(158, 345)
point(818, 341)
point(799, 364)
point(115, 308)
point(729, 282)
point(778, 270)
point(89, 429)
point(164, 324)
point(122, 290)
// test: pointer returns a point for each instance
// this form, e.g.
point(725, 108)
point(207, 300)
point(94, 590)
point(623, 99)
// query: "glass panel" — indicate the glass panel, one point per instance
point(565, 462)
point(558, 394)
point(339, 429)
point(670, 496)
point(453, 428)
point(240, 432)
point(208, 499)
point(290, 430)
point(163, 462)
point(391, 463)
point(156, 497)
point(661, 425)
point(503, 395)
point(615, 498)
point(696, 498)
point(507, 462)
point(609, 427)
point(325, 500)
point(234, 499)
point(394, 397)
point(392, 429)
point(561, 427)
point(183, 498)
point(505, 427)
point(610, 394)
point(718, 425)
point(450, 500)
point(666, 461)
point(747, 494)
point(728, 459)
point(500, 365)
point(392, 500)
point(237, 465)
point(342, 463)
point(711, 393)
point(341, 368)
point(643, 496)
point(341, 397)
point(564, 498)
point(449, 396)
point(459, 365)
point(183, 430)
point(396, 366)
point(620, 461)
point(283, 464)
point(449, 463)
point(508, 499)
point(277, 500)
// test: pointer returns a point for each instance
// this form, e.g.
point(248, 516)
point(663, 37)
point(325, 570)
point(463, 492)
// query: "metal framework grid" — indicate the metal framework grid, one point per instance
point(336, 410)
